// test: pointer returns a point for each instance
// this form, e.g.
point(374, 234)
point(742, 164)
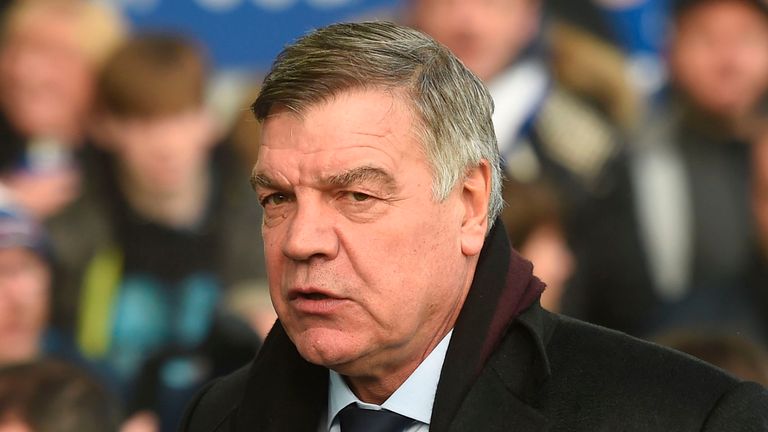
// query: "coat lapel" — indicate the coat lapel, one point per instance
point(490, 407)
point(505, 396)
point(470, 388)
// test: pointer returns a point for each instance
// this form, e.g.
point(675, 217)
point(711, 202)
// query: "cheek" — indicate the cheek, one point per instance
point(272, 238)
point(757, 64)
point(277, 300)
point(411, 258)
point(274, 261)
point(692, 59)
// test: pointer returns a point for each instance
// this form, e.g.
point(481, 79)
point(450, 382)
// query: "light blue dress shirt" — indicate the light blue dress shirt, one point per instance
point(413, 399)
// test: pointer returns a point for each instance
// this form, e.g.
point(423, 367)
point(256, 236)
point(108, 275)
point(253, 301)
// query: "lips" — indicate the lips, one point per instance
point(314, 296)
point(314, 301)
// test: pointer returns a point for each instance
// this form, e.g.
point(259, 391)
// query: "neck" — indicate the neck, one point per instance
point(183, 208)
point(376, 389)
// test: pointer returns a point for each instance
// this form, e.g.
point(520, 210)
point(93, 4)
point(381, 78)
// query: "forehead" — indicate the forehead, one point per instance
point(721, 12)
point(360, 126)
point(19, 255)
point(42, 21)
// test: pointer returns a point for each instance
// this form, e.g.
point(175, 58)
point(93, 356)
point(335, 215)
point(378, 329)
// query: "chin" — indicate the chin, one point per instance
point(326, 347)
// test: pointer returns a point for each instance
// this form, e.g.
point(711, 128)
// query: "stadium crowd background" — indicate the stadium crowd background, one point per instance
point(634, 134)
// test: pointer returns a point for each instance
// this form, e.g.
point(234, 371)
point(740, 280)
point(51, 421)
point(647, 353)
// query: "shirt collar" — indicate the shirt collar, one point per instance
point(413, 399)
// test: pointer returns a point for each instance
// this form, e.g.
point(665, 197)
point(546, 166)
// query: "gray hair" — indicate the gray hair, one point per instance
point(452, 106)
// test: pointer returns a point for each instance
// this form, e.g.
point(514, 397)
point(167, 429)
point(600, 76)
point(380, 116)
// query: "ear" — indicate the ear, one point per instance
point(475, 195)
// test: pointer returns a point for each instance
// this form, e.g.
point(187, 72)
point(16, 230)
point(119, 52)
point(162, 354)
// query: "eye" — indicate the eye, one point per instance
point(274, 199)
point(359, 196)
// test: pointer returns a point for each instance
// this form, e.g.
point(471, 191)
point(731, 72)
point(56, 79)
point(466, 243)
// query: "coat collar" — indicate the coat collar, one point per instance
point(285, 392)
point(503, 287)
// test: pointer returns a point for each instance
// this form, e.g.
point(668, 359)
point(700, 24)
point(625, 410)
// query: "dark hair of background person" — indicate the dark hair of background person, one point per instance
point(52, 396)
point(681, 7)
point(735, 354)
point(153, 75)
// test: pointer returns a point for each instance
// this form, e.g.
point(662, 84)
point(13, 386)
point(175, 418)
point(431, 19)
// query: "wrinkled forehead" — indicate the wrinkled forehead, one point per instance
point(299, 103)
point(391, 103)
point(354, 133)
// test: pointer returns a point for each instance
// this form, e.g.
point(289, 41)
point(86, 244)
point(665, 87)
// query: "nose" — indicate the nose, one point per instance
point(311, 233)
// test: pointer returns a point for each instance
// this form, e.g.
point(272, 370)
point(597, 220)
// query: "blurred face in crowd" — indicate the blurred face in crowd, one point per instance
point(547, 248)
point(366, 270)
point(46, 77)
point(11, 423)
point(161, 155)
point(24, 285)
point(486, 35)
point(719, 56)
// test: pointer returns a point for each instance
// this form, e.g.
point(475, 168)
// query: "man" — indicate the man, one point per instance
point(674, 230)
point(543, 129)
point(50, 54)
point(25, 279)
point(399, 299)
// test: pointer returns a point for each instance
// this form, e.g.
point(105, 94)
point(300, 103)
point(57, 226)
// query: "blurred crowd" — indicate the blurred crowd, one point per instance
point(131, 261)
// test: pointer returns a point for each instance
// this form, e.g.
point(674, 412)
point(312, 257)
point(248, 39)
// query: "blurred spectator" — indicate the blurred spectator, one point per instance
point(533, 218)
point(596, 72)
point(25, 279)
point(50, 51)
point(48, 396)
point(671, 244)
point(543, 129)
point(25, 335)
point(246, 132)
point(733, 353)
point(146, 252)
point(26, 269)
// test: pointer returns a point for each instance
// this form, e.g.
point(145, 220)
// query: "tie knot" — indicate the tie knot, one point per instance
point(355, 419)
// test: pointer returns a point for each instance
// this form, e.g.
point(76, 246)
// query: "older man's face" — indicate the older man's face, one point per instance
point(366, 270)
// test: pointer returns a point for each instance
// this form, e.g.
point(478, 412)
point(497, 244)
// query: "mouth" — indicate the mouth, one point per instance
point(314, 302)
point(314, 296)
point(311, 293)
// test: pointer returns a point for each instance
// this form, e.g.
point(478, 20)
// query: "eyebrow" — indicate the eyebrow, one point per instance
point(361, 175)
point(262, 181)
point(353, 176)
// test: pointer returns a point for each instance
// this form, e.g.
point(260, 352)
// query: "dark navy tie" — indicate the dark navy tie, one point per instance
point(356, 419)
